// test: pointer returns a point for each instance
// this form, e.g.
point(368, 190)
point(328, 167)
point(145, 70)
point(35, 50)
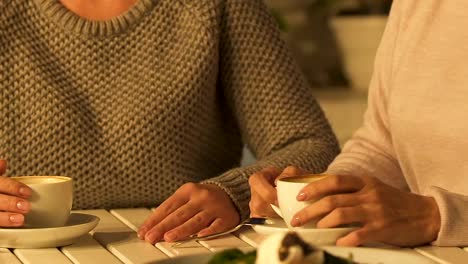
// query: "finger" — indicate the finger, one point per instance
point(263, 188)
point(291, 171)
point(12, 187)
point(217, 226)
point(330, 185)
point(343, 216)
point(191, 226)
point(170, 205)
point(11, 219)
point(355, 238)
point(177, 218)
point(260, 208)
point(13, 204)
point(3, 165)
point(271, 173)
point(324, 206)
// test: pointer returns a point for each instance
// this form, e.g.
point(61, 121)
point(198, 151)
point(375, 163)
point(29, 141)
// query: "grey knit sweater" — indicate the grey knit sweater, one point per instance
point(165, 94)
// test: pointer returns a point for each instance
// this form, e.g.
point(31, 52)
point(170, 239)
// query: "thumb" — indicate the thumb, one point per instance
point(291, 171)
point(3, 166)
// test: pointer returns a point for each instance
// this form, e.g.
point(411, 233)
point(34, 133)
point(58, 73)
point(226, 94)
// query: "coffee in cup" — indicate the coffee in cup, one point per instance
point(51, 200)
point(287, 190)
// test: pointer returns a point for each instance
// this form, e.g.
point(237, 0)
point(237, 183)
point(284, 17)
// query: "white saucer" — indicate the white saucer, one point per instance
point(77, 226)
point(360, 255)
point(315, 236)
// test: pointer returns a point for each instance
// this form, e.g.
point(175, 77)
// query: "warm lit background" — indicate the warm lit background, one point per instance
point(334, 42)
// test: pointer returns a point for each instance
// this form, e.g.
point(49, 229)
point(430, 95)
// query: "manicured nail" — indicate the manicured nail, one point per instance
point(296, 221)
point(25, 191)
point(302, 196)
point(141, 232)
point(17, 218)
point(171, 236)
point(150, 237)
point(23, 205)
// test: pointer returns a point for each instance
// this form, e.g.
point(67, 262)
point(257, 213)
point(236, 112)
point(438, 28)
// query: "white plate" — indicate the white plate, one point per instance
point(77, 226)
point(315, 236)
point(360, 255)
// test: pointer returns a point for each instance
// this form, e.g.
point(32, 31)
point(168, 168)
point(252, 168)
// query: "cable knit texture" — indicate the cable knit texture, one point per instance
point(164, 94)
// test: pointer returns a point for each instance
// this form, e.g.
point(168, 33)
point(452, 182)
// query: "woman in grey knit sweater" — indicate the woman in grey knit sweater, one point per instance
point(135, 99)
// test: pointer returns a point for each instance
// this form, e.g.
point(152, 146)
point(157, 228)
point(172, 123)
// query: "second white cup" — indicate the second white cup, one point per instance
point(51, 200)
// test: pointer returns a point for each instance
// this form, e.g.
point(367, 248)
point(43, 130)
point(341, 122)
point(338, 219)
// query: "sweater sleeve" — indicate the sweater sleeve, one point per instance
point(454, 217)
point(277, 116)
point(370, 150)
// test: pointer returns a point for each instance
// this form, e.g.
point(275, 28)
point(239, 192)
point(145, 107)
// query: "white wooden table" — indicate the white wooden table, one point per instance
point(114, 240)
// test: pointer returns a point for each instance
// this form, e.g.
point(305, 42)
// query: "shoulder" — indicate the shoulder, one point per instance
point(8, 9)
point(218, 13)
point(220, 8)
point(6, 5)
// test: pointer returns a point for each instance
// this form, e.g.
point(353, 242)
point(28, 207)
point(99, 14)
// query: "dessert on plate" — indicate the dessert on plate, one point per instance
point(280, 248)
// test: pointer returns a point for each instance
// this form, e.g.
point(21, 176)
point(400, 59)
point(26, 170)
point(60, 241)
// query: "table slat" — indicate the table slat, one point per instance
point(41, 256)
point(190, 248)
point(107, 221)
point(134, 218)
point(122, 241)
point(248, 235)
point(7, 257)
point(444, 255)
point(226, 242)
point(87, 250)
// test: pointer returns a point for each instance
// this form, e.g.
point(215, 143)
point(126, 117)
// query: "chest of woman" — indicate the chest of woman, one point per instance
point(427, 99)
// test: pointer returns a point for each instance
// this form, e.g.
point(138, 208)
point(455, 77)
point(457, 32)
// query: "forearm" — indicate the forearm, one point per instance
point(361, 156)
point(311, 154)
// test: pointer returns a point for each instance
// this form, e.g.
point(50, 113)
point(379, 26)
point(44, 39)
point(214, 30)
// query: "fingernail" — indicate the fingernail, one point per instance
point(302, 196)
point(17, 218)
point(23, 205)
point(296, 221)
point(150, 237)
point(25, 191)
point(141, 232)
point(171, 236)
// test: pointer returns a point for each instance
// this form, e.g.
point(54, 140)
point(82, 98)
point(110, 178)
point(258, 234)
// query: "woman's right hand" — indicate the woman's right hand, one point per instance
point(14, 202)
point(263, 189)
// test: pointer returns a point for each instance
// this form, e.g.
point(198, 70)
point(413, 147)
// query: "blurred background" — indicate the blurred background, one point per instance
point(334, 42)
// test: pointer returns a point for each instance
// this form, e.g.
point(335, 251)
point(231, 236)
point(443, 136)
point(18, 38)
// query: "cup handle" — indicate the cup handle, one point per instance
point(277, 210)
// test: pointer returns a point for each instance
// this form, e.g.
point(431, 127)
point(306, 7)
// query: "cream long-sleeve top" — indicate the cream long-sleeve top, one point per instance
point(415, 130)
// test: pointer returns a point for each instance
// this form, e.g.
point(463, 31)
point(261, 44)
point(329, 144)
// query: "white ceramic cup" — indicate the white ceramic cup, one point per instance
point(287, 190)
point(51, 200)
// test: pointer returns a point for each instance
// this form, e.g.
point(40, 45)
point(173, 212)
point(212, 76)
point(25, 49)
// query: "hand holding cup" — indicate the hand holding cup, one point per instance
point(14, 202)
point(263, 189)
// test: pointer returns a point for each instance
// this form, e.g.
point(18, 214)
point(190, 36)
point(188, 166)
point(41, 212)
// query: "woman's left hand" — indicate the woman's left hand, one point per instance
point(384, 214)
point(193, 208)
